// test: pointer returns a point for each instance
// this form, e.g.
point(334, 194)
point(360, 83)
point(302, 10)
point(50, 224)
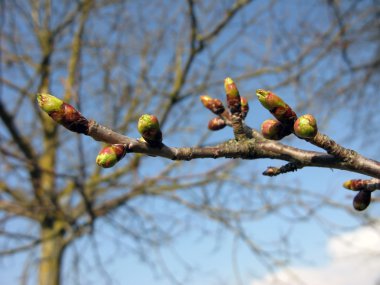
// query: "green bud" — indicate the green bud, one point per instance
point(233, 96)
point(149, 128)
point(63, 113)
point(306, 127)
point(216, 124)
point(362, 200)
point(110, 155)
point(49, 103)
point(274, 130)
point(279, 109)
point(230, 87)
point(269, 100)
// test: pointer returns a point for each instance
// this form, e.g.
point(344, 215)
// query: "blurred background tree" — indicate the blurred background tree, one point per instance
point(115, 60)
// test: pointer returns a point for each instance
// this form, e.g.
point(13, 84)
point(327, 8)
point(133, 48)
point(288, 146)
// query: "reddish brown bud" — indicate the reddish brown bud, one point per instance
point(362, 184)
point(63, 113)
point(274, 130)
point(362, 200)
point(244, 106)
point(233, 96)
point(213, 104)
point(216, 124)
point(110, 155)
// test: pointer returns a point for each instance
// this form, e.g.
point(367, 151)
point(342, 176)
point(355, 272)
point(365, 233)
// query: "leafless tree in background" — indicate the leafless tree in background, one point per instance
point(115, 60)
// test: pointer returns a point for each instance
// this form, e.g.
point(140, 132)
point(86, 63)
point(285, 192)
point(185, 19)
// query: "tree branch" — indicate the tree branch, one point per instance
point(249, 149)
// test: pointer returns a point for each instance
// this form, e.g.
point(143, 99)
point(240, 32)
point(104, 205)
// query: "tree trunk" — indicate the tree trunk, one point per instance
point(52, 249)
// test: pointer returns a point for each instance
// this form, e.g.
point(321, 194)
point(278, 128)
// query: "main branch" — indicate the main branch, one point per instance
point(247, 144)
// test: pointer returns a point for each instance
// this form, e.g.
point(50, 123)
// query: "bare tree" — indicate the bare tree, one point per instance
point(117, 60)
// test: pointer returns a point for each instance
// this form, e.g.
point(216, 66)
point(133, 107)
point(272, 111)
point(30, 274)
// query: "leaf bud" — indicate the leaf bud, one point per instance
point(216, 124)
point(306, 127)
point(63, 113)
point(362, 200)
point(233, 96)
point(110, 155)
point(279, 109)
point(274, 130)
point(149, 128)
point(213, 104)
point(244, 106)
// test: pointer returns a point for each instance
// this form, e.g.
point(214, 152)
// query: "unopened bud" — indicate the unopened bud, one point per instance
point(110, 155)
point(49, 103)
point(149, 128)
point(279, 109)
point(362, 200)
point(306, 127)
point(355, 184)
point(233, 96)
point(274, 130)
point(63, 113)
point(244, 106)
point(213, 104)
point(216, 124)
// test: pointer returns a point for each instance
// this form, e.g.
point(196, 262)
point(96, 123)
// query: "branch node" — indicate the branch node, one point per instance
point(289, 167)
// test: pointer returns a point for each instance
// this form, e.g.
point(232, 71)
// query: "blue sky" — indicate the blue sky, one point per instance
point(206, 253)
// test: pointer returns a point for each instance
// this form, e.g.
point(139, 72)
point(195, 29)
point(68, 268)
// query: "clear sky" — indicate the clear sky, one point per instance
point(327, 246)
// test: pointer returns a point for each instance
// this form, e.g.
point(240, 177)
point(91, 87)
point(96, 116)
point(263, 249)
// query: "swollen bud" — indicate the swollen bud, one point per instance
point(244, 106)
point(269, 100)
point(362, 200)
point(348, 185)
point(49, 103)
point(110, 155)
point(213, 104)
point(233, 96)
point(216, 124)
point(274, 130)
point(149, 128)
point(355, 184)
point(279, 109)
point(63, 113)
point(306, 127)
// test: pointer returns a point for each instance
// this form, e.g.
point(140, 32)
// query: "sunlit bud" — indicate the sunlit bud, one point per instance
point(354, 184)
point(269, 100)
point(362, 200)
point(271, 171)
point(216, 124)
point(110, 155)
point(348, 185)
point(244, 106)
point(49, 103)
point(63, 113)
point(279, 109)
point(213, 104)
point(149, 128)
point(306, 127)
point(274, 130)
point(362, 184)
point(233, 96)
